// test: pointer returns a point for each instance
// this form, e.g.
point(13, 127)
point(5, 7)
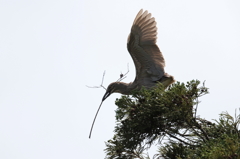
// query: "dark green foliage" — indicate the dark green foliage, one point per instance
point(153, 115)
point(222, 140)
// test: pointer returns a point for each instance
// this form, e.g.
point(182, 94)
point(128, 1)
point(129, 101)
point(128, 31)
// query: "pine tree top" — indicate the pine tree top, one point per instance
point(150, 116)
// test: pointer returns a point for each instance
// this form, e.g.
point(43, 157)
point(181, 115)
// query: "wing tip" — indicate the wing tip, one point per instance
point(144, 25)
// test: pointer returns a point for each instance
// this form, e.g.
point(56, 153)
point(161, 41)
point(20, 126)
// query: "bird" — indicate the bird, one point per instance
point(147, 57)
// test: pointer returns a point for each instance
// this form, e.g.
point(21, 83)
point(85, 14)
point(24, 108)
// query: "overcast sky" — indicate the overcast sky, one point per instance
point(50, 50)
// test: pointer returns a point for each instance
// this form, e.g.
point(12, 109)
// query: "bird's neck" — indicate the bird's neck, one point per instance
point(124, 88)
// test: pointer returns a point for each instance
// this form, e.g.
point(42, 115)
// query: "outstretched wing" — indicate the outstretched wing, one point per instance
point(147, 57)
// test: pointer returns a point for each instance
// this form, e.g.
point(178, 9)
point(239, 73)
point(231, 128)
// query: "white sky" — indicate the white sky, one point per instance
point(49, 51)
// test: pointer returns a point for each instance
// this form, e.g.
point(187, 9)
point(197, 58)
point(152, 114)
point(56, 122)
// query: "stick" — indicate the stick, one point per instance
point(101, 83)
point(123, 76)
point(95, 119)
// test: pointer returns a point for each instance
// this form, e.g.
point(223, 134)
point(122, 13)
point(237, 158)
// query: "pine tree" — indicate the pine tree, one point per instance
point(149, 116)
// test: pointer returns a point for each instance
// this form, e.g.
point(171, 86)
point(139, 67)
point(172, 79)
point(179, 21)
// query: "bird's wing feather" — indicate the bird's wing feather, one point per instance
point(148, 59)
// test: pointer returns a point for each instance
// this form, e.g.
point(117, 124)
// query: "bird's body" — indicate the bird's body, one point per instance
point(148, 59)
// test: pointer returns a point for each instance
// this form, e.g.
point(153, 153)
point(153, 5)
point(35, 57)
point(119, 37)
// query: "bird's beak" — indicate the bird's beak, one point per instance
point(107, 94)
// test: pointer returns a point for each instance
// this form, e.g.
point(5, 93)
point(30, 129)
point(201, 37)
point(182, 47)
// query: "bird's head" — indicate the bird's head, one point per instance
point(117, 87)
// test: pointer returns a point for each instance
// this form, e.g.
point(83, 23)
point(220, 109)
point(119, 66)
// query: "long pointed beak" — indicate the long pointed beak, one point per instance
point(107, 94)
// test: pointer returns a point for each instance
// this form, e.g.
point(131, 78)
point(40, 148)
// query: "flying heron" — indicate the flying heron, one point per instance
point(147, 57)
